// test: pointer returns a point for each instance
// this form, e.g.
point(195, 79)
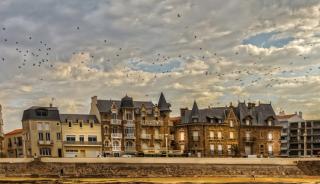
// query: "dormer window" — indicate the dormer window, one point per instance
point(41, 112)
point(219, 121)
point(211, 121)
point(114, 116)
point(231, 123)
point(195, 120)
point(269, 122)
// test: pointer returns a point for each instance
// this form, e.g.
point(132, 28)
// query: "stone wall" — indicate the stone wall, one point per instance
point(144, 167)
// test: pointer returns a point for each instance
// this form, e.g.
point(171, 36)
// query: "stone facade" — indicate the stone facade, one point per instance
point(42, 132)
point(1, 134)
point(13, 144)
point(81, 135)
point(133, 127)
point(228, 131)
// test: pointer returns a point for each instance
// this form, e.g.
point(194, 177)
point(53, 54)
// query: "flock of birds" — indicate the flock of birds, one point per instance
point(246, 75)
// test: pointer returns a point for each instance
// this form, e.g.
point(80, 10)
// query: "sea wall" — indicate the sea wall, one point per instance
point(160, 167)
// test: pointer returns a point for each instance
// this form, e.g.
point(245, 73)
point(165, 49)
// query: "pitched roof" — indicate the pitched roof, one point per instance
point(195, 110)
point(219, 113)
point(162, 104)
point(33, 113)
point(75, 117)
point(13, 132)
point(105, 105)
point(259, 114)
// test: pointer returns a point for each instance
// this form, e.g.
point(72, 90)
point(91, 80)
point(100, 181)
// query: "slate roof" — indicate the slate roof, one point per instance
point(162, 104)
point(75, 117)
point(127, 102)
point(13, 132)
point(31, 113)
point(259, 114)
point(218, 113)
point(105, 105)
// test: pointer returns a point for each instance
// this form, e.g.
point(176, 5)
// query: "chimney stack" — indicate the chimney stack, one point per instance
point(183, 111)
point(94, 100)
point(300, 114)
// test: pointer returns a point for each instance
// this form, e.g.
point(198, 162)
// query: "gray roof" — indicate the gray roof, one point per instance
point(127, 102)
point(75, 117)
point(217, 113)
point(105, 105)
point(162, 104)
point(259, 114)
point(41, 113)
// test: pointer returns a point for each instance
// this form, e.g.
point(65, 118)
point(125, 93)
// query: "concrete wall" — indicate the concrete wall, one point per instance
point(158, 167)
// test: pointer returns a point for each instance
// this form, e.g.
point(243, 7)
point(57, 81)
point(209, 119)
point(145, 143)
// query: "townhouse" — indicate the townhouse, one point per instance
point(13, 144)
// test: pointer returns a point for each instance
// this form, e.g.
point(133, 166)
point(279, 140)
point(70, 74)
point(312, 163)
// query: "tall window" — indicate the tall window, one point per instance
point(114, 116)
point(269, 122)
point(270, 136)
point(231, 135)
point(181, 136)
point(195, 135)
point(270, 148)
point(219, 149)
point(182, 147)
point(91, 125)
point(211, 134)
point(219, 135)
point(231, 123)
point(40, 134)
point(80, 124)
point(212, 149)
point(81, 138)
point(45, 151)
point(247, 122)
point(70, 124)
point(48, 136)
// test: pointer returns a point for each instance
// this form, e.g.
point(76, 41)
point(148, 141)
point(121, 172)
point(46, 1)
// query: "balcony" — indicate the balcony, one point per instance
point(116, 148)
point(115, 122)
point(129, 123)
point(151, 123)
point(116, 135)
point(129, 136)
point(42, 142)
point(145, 136)
point(249, 139)
point(159, 136)
point(82, 143)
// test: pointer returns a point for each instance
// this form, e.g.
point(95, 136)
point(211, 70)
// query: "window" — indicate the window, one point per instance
point(71, 138)
point(247, 134)
point(229, 149)
point(48, 136)
point(270, 136)
point(80, 124)
point(58, 136)
point(41, 112)
point(129, 130)
point(181, 147)
point(129, 144)
point(194, 120)
point(129, 116)
point(70, 124)
point(247, 122)
point(231, 123)
point(231, 135)
point(181, 136)
point(219, 147)
point(219, 121)
point(91, 125)
point(81, 138)
point(195, 135)
point(40, 134)
point(92, 138)
point(269, 122)
point(45, 151)
point(114, 116)
point(211, 134)
point(270, 148)
point(211, 147)
point(219, 135)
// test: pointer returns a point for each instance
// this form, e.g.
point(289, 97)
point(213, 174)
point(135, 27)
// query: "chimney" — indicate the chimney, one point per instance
point(183, 111)
point(300, 114)
point(94, 100)
point(282, 113)
point(50, 104)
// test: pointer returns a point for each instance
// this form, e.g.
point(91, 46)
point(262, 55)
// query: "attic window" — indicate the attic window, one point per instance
point(41, 112)
point(269, 122)
point(247, 121)
point(195, 120)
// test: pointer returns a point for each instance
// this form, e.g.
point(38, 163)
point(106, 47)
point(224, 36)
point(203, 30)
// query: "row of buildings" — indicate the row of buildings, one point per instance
point(142, 128)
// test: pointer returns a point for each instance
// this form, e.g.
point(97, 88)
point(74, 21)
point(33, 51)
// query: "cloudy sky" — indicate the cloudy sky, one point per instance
point(215, 52)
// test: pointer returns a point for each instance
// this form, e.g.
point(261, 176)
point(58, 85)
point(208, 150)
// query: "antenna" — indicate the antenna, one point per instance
point(51, 103)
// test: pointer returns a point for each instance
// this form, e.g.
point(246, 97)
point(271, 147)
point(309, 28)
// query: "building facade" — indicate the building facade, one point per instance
point(1, 134)
point(259, 132)
point(208, 132)
point(299, 137)
point(13, 144)
point(42, 132)
point(81, 135)
point(133, 127)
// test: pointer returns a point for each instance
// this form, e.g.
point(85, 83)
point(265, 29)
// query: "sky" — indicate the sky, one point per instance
point(214, 52)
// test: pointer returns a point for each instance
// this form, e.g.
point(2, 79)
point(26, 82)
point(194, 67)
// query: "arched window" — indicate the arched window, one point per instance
point(129, 144)
point(115, 144)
